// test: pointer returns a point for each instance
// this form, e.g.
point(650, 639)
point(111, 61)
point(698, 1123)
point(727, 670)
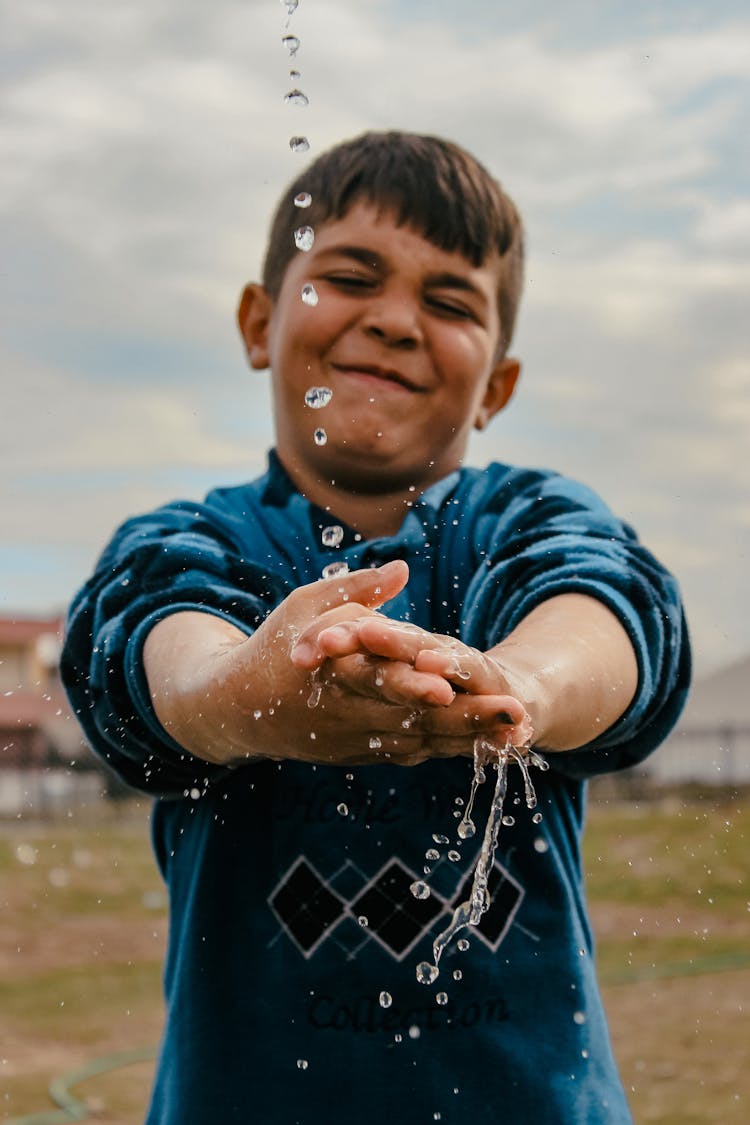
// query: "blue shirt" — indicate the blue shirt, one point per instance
point(289, 883)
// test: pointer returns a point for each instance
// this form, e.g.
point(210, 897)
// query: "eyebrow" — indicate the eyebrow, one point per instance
point(373, 260)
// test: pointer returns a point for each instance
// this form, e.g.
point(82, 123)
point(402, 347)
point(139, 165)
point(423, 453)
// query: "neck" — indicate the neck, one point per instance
point(372, 514)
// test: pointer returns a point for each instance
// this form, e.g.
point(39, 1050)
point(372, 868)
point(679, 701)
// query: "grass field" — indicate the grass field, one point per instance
point(83, 927)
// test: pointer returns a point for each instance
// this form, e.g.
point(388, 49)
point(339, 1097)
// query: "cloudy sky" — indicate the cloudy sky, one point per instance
point(144, 143)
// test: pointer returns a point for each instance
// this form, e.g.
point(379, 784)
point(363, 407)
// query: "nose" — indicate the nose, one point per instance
point(393, 320)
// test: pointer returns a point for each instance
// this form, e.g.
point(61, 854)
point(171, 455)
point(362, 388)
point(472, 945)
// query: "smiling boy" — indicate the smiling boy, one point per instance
point(213, 668)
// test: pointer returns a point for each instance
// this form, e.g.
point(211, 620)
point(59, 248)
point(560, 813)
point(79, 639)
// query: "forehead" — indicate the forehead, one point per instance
point(368, 227)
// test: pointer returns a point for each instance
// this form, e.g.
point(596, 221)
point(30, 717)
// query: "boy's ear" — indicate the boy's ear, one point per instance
point(500, 387)
point(253, 316)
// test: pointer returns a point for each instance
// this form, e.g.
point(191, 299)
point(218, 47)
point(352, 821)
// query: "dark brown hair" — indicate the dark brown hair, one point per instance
point(429, 184)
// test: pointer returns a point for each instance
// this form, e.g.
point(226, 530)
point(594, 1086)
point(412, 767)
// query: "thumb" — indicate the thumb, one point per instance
point(371, 587)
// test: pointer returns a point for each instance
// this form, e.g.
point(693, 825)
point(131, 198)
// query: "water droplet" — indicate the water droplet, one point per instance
point(313, 698)
point(454, 856)
point(420, 889)
point(334, 569)
point(309, 295)
point(457, 974)
point(302, 199)
point(432, 853)
point(291, 7)
point(195, 794)
point(257, 714)
point(375, 743)
point(332, 536)
point(463, 944)
point(296, 97)
point(509, 821)
point(302, 1064)
point(579, 1018)
point(318, 397)
point(442, 999)
point(458, 801)
point(426, 973)
point(379, 677)
point(439, 839)
point(320, 437)
point(291, 42)
point(342, 809)
point(541, 845)
point(385, 999)
point(466, 829)
point(414, 1032)
point(537, 818)
point(299, 144)
point(584, 1053)
point(363, 921)
point(304, 238)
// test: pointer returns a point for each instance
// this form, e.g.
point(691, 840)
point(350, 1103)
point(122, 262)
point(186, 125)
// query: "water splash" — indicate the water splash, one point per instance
point(304, 238)
point(318, 397)
point(469, 913)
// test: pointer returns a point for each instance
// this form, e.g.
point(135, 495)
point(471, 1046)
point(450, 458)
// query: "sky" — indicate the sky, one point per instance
point(145, 143)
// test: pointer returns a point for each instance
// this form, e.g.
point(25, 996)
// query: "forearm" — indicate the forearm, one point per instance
point(572, 664)
point(190, 663)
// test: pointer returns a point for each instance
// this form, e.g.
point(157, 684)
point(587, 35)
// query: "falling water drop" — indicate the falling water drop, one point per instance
point(332, 536)
point(420, 889)
point(299, 144)
point(463, 944)
point(426, 973)
point(442, 998)
point(457, 974)
point(454, 856)
point(304, 238)
point(291, 42)
point(302, 1064)
point(302, 199)
point(333, 570)
point(385, 999)
point(375, 743)
point(296, 97)
point(342, 809)
point(363, 921)
point(318, 397)
point(291, 7)
point(432, 854)
point(537, 818)
point(320, 437)
point(309, 295)
point(439, 838)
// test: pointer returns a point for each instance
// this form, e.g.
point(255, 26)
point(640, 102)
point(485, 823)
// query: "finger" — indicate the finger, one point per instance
point(498, 714)
point(371, 586)
point(392, 681)
point(466, 667)
point(395, 640)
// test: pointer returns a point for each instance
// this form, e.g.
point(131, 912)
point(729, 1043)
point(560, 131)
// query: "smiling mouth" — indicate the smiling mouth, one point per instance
point(379, 375)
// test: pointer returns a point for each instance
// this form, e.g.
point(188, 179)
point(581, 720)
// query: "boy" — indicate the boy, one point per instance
point(270, 710)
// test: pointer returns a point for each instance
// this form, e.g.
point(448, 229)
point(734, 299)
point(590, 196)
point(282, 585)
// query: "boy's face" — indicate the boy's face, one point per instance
point(404, 334)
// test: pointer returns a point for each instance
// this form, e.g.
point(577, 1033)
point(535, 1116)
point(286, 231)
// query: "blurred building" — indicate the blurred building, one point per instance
point(43, 755)
point(711, 742)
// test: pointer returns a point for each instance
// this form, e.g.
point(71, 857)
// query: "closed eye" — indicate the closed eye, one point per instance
point(349, 280)
point(447, 307)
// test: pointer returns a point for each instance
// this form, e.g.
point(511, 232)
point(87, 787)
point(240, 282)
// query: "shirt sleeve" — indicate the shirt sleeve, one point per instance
point(178, 558)
point(554, 537)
